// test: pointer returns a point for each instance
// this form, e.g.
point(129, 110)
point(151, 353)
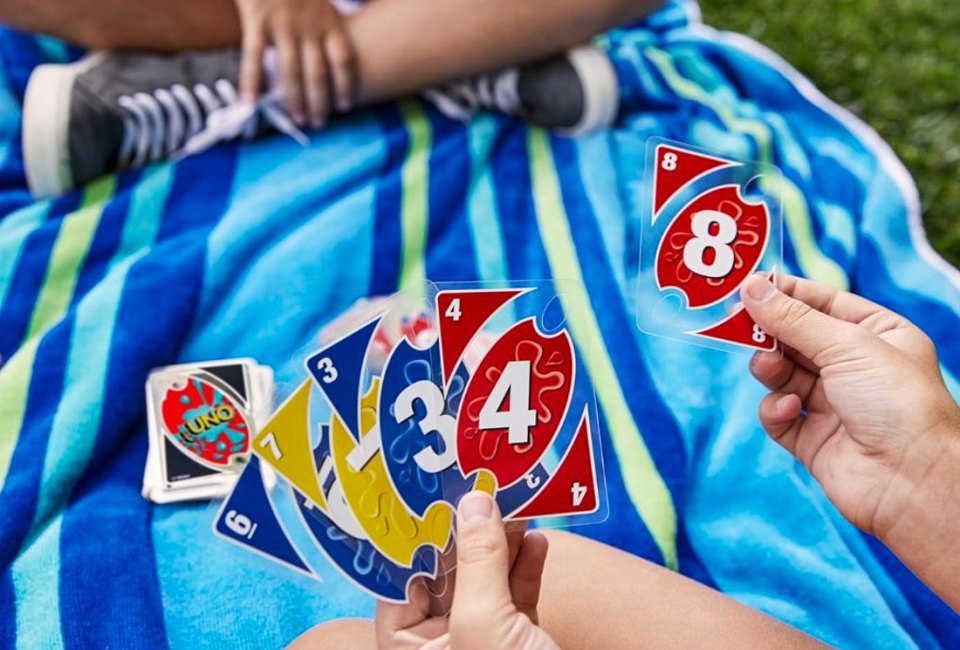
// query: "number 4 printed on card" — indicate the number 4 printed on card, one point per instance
point(572, 489)
point(536, 373)
point(464, 313)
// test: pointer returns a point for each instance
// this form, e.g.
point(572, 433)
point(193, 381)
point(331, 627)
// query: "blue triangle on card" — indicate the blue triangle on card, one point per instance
point(338, 370)
point(248, 518)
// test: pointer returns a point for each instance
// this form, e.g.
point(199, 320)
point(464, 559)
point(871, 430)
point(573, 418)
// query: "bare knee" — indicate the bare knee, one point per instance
point(338, 634)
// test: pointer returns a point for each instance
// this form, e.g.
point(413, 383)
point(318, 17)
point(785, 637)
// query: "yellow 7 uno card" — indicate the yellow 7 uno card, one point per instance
point(294, 531)
point(708, 221)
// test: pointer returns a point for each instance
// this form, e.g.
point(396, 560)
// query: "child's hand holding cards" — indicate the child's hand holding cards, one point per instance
point(477, 388)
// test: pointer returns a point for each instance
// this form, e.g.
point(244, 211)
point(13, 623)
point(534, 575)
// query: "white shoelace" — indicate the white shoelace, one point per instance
point(492, 91)
point(170, 123)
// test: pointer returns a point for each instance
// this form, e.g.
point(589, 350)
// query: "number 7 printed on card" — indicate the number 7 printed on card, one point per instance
point(709, 221)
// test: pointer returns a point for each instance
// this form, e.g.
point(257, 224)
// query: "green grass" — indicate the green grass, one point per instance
point(895, 63)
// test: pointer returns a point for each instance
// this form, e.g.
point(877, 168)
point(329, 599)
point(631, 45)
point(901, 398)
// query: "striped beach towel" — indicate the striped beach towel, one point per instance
point(248, 250)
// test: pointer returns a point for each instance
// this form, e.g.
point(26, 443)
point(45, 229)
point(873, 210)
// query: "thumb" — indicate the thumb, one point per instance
point(810, 332)
point(482, 592)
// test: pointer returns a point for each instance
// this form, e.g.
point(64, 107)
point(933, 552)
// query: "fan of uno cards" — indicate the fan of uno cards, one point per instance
point(483, 390)
point(709, 223)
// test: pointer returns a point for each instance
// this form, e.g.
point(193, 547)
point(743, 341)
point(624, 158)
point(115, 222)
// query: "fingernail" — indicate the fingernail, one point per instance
point(759, 288)
point(343, 105)
point(475, 508)
point(783, 402)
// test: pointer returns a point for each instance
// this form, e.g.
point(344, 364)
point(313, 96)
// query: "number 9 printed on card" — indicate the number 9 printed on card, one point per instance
point(708, 221)
point(478, 388)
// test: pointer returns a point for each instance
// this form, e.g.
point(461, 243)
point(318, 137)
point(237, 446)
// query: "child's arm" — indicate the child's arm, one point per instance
point(860, 401)
point(405, 45)
point(400, 46)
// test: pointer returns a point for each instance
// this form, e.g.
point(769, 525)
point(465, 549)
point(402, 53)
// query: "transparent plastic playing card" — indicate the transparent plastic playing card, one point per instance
point(413, 401)
point(526, 423)
point(275, 521)
point(708, 221)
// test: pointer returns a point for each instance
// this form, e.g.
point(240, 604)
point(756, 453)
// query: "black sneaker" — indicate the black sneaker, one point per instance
point(574, 93)
point(113, 111)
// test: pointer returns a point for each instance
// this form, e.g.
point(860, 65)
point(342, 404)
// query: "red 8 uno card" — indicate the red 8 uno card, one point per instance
point(709, 222)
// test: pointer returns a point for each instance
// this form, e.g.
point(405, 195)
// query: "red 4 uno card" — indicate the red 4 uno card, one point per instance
point(408, 404)
point(709, 221)
point(527, 418)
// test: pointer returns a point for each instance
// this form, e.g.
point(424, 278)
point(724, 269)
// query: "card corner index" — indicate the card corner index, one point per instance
point(248, 518)
point(575, 481)
point(284, 443)
point(337, 370)
point(461, 314)
point(676, 166)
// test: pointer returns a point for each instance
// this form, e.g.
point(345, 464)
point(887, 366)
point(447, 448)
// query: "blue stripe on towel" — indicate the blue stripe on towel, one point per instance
point(514, 192)
point(29, 276)
point(449, 242)
point(662, 434)
point(389, 242)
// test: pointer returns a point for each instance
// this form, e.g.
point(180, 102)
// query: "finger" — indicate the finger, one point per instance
point(342, 69)
point(527, 574)
point(440, 643)
point(817, 336)
point(290, 77)
point(391, 617)
point(516, 531)
point(843, 305)
point(780, 416)
point(482, 594)
point(394, 617)
point(315, 83)
point(251, 63)
point(783, 374)
point(441, 590)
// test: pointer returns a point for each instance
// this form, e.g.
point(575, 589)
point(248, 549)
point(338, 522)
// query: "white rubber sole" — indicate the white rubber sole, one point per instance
point(601, 90)
point(46, 122)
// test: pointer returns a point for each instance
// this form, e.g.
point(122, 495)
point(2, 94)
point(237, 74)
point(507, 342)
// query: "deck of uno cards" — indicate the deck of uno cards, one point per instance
point(407, 409)
point(708, 223)
point(202, 419)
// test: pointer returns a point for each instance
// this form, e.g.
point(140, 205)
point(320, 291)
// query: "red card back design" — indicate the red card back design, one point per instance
point(677, 168)
point(712, 245)
point(514, 404)
point(205, 422)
